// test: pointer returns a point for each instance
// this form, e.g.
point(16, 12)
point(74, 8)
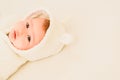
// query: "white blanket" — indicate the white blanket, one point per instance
point(9, 61)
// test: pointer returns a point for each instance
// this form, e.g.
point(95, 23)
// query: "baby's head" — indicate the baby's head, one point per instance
point(29, 32)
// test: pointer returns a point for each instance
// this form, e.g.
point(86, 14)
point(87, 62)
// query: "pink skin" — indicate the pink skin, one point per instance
point(27, 33)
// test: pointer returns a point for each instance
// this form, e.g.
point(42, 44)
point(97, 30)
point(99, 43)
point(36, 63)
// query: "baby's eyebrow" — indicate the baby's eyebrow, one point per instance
point(32, 33)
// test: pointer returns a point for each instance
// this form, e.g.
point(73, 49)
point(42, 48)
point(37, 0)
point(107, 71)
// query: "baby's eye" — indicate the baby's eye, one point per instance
point(27, 25)
point(28, 38)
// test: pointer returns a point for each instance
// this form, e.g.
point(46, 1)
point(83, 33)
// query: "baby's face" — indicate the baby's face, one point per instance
point(27, 33)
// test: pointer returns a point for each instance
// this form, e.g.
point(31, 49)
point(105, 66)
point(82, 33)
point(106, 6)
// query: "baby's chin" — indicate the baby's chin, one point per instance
point(18, 47)
point(11, 36)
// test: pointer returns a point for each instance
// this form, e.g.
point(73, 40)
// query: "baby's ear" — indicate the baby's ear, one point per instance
point(39, 13)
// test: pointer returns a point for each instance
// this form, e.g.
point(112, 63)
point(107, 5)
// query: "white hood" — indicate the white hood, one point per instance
point(52, 43)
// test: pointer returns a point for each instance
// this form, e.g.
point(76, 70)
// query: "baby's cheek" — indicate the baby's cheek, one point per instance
point(20, 44)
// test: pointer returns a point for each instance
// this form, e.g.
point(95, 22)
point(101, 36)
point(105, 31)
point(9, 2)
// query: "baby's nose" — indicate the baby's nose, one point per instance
point(21, 32)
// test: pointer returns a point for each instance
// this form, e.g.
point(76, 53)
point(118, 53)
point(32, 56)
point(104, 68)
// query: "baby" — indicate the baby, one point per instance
point(36, 37)
point(29, 32)
point(23, 36)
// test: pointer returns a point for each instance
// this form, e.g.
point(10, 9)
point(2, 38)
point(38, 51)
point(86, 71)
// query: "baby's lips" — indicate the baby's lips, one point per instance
point(14, 34)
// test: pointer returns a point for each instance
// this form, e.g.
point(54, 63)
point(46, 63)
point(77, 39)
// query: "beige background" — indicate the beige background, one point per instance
point(94, 54)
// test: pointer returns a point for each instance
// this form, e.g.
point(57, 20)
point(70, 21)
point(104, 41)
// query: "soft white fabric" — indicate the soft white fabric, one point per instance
point(9, 61)
point(11, 58)
point(51, 44)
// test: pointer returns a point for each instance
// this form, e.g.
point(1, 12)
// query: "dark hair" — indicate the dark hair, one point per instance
point(46, 24)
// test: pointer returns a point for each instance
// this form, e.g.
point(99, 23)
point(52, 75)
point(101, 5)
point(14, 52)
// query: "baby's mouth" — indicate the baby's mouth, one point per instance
point(14, 34)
